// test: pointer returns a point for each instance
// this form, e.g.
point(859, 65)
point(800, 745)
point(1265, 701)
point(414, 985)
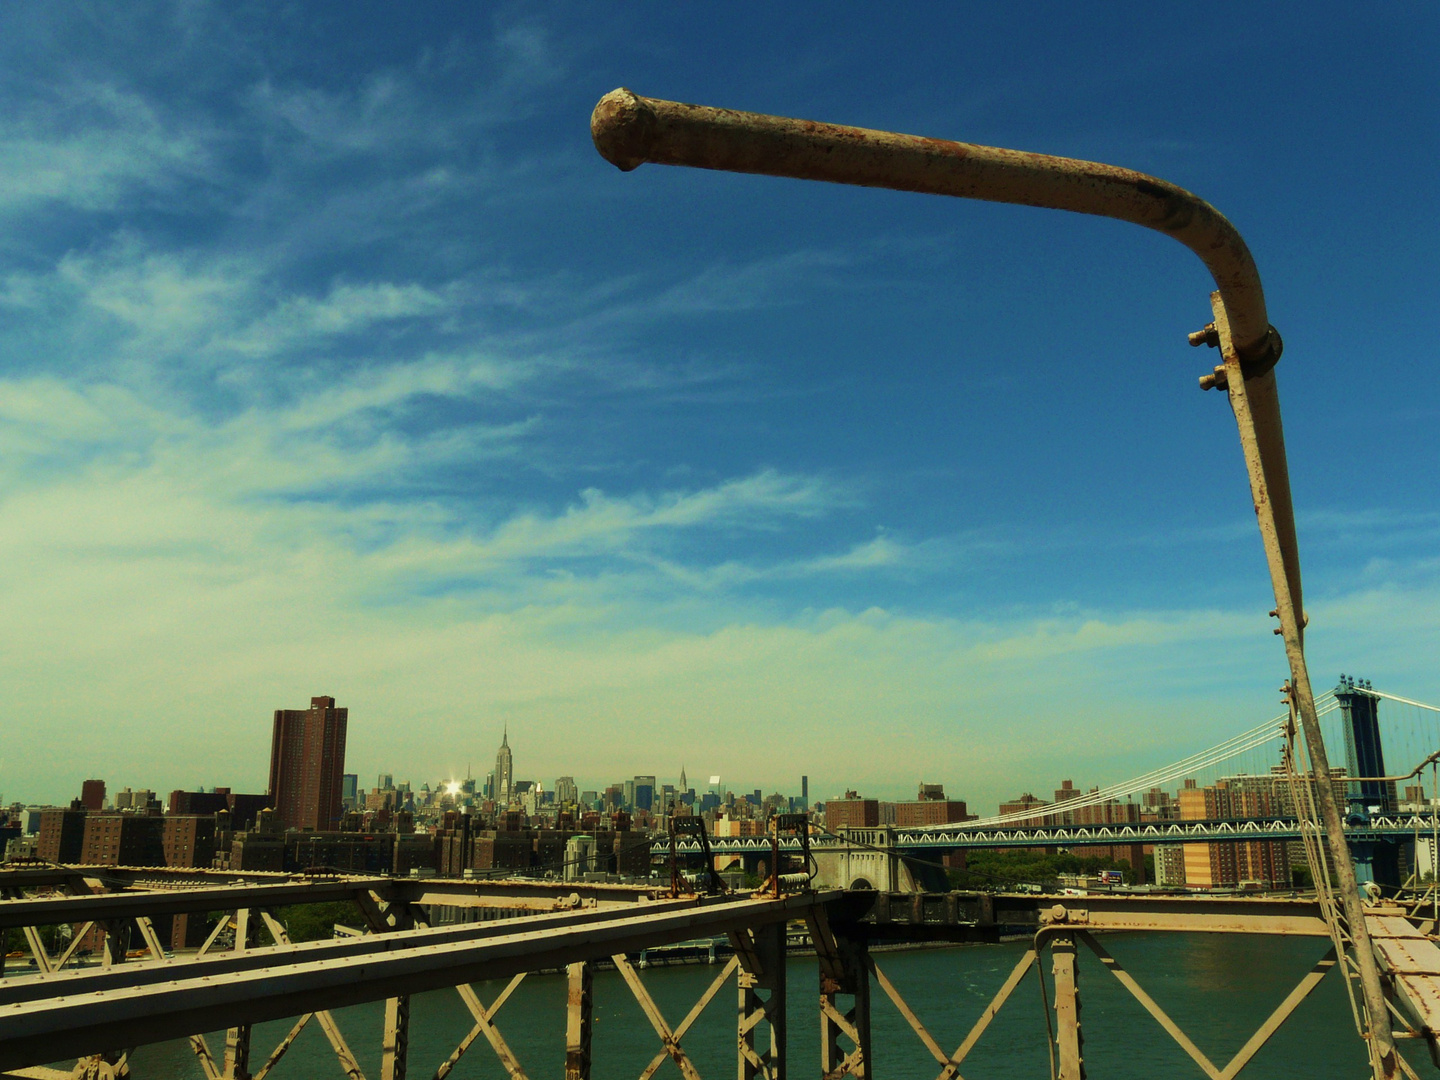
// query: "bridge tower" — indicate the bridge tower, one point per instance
point(1375, 860)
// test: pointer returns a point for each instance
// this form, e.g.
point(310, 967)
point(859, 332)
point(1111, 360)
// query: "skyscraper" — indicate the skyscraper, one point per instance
point(644, 792)
point(504, 771)
point(307, 765)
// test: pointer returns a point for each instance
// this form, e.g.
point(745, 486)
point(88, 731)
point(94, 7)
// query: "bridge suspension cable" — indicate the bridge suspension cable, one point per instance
point(1272, 731)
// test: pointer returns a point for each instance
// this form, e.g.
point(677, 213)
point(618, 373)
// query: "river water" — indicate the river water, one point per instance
point(1218, 987)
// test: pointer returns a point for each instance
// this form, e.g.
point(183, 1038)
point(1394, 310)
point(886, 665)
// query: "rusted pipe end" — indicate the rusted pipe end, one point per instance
point(622, 126)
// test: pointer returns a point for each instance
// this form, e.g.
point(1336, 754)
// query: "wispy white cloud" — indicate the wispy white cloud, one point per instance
point(94, 145)
point(269, 405)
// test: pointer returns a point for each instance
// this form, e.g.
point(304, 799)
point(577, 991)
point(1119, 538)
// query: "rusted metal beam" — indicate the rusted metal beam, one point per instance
point(1257, 418)
point(630, 130)
point(579, 1020)
point(75, 940)
point(1161, 1016)
point(283, 1046)
point(343, 1053)
point(135, 902)
point(908, 1014)
point(485, 1025)
point(1069, 1039)
point(35, 1031)
point(37, 950)
point(206, 1059)
point(237, 1036)
point(1105, 913)
point(395, 1043)
point(768, 955)
point(1280, 1015)
point(951, 1071)
point(106, 907)
point(668, 1039)
point(850, 976)
point(214, 964)
point(1252, 1046)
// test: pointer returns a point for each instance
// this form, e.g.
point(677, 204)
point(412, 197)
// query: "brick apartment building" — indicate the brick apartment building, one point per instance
point(307, 765)
point(1265, 863)
point(931, 807)
point(852, 812)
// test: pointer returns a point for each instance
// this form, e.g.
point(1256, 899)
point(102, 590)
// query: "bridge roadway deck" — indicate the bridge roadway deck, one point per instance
point(1411, 959)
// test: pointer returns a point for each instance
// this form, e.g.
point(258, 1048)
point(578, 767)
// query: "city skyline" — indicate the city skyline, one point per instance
point(999, 789)
point(333, 358)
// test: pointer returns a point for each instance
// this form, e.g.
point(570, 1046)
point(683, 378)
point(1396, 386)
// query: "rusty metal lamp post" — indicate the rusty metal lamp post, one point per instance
point(630, 130)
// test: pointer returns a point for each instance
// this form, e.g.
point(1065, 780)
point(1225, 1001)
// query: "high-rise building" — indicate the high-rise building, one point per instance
point(644, 792)
point(307, 764)
point(62, 833)
point(1024, 805)
point(504, 770)
point(804, 791)
point(565, 791)
point(92, 795)
point(1218, 865)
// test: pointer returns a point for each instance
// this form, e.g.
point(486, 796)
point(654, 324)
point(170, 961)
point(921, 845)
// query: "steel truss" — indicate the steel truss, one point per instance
point(103, 1012)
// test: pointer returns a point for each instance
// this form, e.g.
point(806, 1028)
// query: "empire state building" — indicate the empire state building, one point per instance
point(504, 771)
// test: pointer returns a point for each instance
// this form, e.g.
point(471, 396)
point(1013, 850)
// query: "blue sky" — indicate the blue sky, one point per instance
point(333, 359)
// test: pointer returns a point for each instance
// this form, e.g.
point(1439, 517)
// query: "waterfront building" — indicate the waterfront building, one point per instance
point(931, 807)
point(1023, 805)
point(307, 761)
point(1063, 794)
point(1170, 865)
point(1258, 863)
point(852, 812)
